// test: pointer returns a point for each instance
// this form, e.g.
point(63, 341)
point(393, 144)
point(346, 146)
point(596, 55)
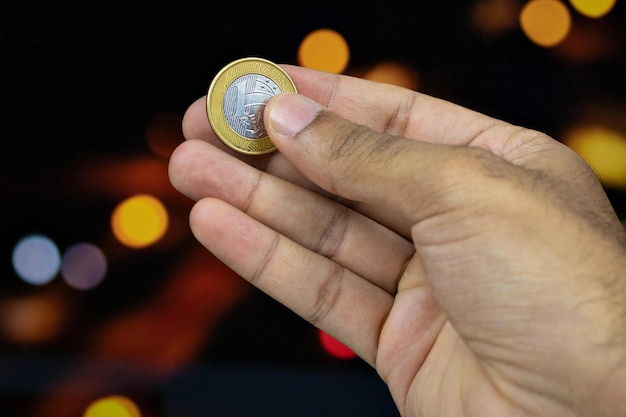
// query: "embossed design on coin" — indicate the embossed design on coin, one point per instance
point(237, 98)
point(244, 102)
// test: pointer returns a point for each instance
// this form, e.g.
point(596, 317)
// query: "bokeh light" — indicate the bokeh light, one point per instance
point(393, 73)
point(324, 50)
point(495, 17)
point(593, 8)
point(78, 340)
point(139, 221)
point(113, 406)
point(545, 22)
point(164, 133)
point(33, 319)
point(334, 347)
point(604, 149)
point(83, 266)
point(589, 41)
point(36, 259)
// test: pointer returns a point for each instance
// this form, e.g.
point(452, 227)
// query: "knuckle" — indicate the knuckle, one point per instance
point(334, 233)
point(328, 295)
point(470, 178)
point(469, 165)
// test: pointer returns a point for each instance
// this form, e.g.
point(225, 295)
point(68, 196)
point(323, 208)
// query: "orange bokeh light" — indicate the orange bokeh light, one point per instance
point(393, 73)
point(494, 17)
point(324, 50)
point(34, 319)
point(546, 22)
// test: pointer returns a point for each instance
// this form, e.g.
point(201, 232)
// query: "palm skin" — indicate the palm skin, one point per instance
point(478, 266)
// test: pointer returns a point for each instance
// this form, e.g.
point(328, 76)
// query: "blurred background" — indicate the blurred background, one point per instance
point(108, 306)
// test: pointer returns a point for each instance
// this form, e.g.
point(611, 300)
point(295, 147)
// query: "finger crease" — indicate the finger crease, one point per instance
point(267, 258)
point(253, 191)
point(328, 294)
point(398, 123)
point(331, 241)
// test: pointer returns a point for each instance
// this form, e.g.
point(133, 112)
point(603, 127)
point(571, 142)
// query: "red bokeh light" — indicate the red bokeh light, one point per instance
point(335, 347)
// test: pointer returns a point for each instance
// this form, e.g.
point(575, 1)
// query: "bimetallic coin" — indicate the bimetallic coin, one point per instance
point(236, 100)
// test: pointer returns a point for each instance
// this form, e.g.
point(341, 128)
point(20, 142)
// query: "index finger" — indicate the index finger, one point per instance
point(391, 109)
point(382, 107)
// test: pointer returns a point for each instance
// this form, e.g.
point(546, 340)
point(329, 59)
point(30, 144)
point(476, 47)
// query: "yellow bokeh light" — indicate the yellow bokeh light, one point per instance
point(546, 22)
point(113, 406)
point(324, 50)
point(593, 8)
point(604, 150)
point(139, 221)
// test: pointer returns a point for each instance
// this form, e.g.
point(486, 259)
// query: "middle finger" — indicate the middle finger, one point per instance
point(327, 227)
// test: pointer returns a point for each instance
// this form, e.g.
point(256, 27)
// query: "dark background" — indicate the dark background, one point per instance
point(81, 84)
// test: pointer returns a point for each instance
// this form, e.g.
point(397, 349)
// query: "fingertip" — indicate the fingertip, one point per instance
point(195, 124)
point(182, 164)
point(200, 212)
point(199, 220)
point(289, 113)
point(177, 158)
point(227, 232)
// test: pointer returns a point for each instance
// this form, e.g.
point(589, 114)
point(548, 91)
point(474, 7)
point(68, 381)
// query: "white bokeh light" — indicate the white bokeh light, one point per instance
point(36, 259)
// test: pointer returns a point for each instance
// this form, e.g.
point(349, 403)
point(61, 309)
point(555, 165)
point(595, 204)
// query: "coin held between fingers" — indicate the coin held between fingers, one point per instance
point(236, 99)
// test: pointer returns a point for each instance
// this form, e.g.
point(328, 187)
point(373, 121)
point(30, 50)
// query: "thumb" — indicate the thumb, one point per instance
point(366, 166)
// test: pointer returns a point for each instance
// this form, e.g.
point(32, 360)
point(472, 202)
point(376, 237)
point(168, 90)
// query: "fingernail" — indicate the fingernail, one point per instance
point(291, 113)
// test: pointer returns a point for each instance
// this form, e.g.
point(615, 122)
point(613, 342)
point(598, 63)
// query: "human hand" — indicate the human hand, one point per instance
point(478, 266)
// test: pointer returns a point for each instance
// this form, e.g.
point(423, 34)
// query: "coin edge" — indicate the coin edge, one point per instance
point(210, 102)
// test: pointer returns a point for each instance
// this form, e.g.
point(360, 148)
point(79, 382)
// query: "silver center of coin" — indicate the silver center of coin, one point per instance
point(244, 102)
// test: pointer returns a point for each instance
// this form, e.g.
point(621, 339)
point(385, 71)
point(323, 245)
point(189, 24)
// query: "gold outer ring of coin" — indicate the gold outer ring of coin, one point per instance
point(215, 102)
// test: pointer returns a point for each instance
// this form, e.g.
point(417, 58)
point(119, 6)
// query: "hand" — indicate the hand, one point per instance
point(478, 266)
